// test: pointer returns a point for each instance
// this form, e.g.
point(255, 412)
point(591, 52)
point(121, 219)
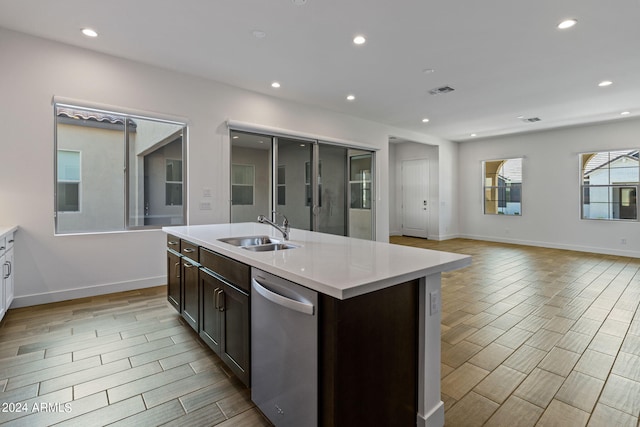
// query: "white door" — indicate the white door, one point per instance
point(415, 197)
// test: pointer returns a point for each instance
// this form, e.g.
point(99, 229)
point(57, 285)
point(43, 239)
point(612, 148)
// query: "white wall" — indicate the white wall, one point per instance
point(550, 189)
point(49, 267)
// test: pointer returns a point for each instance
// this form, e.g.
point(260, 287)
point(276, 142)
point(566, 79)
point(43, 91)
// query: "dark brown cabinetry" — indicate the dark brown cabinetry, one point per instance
point(174, 272)
point(190, 284)
point(211, 292)
point(369, 358)
point(225, 310)
point(174, 288)
point(210, 319)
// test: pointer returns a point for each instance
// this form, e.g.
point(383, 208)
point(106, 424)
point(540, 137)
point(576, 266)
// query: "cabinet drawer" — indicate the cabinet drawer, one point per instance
point(3, 246)
point(233, 271)
point(173, 242)
point(189, 250)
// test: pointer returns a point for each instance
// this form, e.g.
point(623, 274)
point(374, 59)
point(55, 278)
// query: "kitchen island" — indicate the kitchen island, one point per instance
point(366, 286)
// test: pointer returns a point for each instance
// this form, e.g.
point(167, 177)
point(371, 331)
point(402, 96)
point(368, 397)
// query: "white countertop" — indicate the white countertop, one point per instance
point(6, 229)
point(338, 266)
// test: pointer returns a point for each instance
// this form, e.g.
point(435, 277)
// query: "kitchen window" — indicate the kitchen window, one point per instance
point(503, 186)
point(609, 185)
point(116, 171)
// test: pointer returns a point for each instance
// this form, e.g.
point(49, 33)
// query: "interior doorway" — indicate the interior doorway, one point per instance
point(415, 198)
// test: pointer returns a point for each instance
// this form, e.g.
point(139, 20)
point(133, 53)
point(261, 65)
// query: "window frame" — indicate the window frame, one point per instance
point(498, 188)
point(610, 186)
point(126, 115)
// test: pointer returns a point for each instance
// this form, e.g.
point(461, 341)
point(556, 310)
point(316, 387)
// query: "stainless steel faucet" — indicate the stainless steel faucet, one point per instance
point(284, 228)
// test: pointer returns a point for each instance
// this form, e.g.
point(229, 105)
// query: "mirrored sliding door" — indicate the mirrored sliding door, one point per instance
point(317, 186)
point(332, 185)
point(294, 195)
point(250, 176)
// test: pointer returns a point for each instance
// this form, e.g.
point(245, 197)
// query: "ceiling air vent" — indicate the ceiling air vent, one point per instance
point(441, 90)
point(531, 119)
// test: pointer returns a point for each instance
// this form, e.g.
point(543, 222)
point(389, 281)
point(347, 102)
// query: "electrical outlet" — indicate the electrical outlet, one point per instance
point(205, 206)
point(434, 298)
point(623, 241)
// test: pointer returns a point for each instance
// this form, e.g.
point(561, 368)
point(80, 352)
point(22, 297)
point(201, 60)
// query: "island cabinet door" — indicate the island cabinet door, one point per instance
point(191, 293)
point(235, 332)
point(369, 358)
point(174, 288)
point(210, 316)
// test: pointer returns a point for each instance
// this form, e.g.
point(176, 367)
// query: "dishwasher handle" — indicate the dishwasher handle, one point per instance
point(302, 307)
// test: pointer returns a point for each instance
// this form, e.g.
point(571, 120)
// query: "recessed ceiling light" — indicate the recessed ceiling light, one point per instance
point(428, 70)
point(425, 120)
point(259, 34)
point(275, 85)
point(625, 113)
point(299, 2)
point(351, 97)
point(89, 32)
point(567, 23)
point(473, 134)
point(359, 40)
point(236, 137)
point(605, 83)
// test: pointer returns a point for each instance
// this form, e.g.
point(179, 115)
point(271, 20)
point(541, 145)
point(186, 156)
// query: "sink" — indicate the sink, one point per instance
point(258, 243)
point(269, 247)
point(249, 240)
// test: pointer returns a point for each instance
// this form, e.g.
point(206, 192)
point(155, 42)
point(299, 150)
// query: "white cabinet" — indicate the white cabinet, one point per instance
point(7, 290)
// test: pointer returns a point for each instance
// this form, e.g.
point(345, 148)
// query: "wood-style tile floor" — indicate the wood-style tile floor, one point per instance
point(536, 336)
point(124, 359)
point(530, 336)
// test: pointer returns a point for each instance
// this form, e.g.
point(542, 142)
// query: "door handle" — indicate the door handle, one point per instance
point(215, 298)
point(302, 307)
point(177, 270)
point(220, 300)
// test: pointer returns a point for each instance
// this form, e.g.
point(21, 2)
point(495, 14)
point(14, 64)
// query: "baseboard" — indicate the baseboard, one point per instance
point(431, 236)
point(435, 417)
point(568, 247)
point(90, 291)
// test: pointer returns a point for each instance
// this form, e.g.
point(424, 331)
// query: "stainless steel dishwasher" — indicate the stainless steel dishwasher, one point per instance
point(284, 350)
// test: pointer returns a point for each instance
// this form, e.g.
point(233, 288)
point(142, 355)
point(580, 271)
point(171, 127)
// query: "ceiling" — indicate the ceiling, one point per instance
point(505, 59)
